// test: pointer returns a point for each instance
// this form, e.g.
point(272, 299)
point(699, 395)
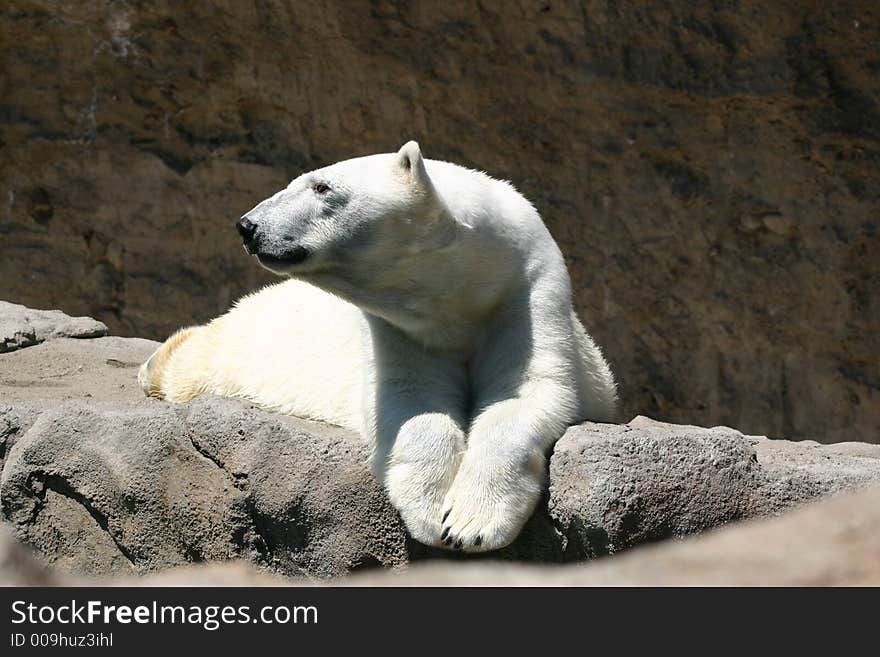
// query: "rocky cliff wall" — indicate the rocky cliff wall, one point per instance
point(710, 172)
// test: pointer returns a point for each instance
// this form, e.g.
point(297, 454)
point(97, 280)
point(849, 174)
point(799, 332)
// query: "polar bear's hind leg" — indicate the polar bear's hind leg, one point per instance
point(151, 375)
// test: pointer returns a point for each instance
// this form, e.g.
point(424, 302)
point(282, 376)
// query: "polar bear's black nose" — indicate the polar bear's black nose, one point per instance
point(246, 228)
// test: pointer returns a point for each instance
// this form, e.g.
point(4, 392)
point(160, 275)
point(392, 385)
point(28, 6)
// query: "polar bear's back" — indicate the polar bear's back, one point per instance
point(289, 347)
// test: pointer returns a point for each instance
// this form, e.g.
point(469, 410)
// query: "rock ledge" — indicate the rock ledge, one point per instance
point(102, 481)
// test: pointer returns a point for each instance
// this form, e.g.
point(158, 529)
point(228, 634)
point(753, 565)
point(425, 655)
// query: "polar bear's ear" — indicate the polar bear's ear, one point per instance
point(410, 163)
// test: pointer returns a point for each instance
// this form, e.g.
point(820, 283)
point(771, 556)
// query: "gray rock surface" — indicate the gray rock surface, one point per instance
point(20, 566)
point(22, 327)
point(616, 486)
point(103, 481)
point(127, 488)
point(834, 542)
point(830, 543)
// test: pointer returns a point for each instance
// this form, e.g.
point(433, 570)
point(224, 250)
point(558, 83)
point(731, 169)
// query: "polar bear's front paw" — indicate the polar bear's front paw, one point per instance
point(487, 506)
point(418, 497)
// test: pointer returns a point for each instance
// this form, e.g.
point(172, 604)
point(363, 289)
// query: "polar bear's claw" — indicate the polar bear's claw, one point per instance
point(485, 512)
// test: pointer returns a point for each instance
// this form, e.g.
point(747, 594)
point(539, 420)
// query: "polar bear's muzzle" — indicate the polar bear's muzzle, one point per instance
point(273, 257)
point(294, 256)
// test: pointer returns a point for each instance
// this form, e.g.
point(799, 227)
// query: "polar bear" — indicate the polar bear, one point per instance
point(428, 308)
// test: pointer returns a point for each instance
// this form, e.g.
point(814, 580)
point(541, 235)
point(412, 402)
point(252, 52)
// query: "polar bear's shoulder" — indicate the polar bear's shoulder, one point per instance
point(476, 197)
point(454, 179)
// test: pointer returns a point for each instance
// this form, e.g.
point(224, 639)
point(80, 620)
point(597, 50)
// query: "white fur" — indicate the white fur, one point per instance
point(433, 315)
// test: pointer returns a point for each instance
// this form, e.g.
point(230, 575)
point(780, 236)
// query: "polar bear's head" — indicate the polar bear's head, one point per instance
point(360, 215)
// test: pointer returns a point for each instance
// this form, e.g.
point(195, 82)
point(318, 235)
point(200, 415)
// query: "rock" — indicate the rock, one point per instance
point(616, 486)
point(23, 327)
point(643, 133)
point(230, 573)
point(38, 377)
point(122, 488)
point(123, 485)
point(829, 543)
point(19, 566)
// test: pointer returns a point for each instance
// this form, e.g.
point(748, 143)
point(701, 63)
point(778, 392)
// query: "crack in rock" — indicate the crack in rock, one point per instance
point(64, 488)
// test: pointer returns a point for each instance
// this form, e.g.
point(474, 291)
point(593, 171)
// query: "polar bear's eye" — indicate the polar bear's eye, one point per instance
point(320, 188)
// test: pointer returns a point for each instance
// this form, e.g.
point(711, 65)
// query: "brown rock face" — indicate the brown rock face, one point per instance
point(711, 173)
